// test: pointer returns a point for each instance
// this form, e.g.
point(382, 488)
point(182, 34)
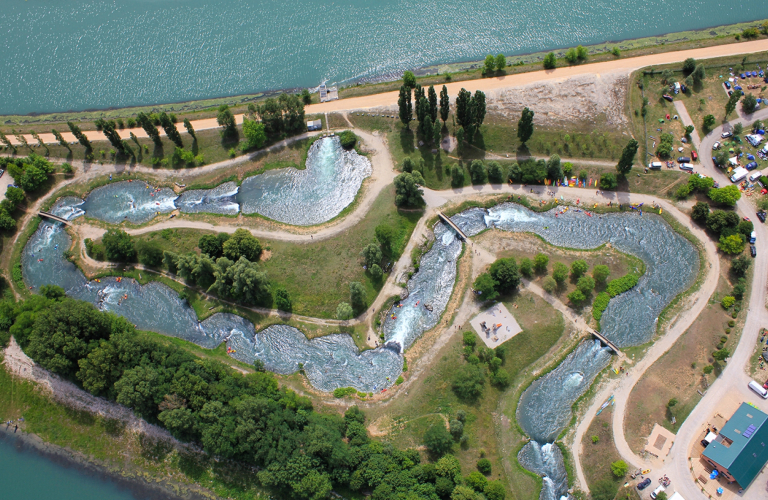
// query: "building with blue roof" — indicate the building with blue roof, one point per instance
point(740, 451)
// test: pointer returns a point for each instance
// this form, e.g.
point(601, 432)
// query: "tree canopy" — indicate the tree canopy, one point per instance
point(525, 125)
point(407, 190)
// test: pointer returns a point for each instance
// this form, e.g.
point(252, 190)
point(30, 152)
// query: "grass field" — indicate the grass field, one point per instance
point(431, 401)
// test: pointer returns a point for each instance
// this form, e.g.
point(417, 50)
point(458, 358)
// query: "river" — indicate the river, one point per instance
point(86, 54)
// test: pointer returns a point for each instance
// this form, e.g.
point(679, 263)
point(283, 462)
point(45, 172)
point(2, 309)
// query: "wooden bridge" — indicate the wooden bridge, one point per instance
point(605, 341)
point(53, 217)
point(448, 221)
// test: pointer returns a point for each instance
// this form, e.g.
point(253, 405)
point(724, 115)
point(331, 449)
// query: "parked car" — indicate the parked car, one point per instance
point(730, 93)
point(727, 85)
point(695, 156)
point(683, 159)
point(644, 483)
point(726, 135)
point(668, 97)
point(715, 146)
point(683, 88)
point(1, 172)
point(761, 216)
point(753, 250)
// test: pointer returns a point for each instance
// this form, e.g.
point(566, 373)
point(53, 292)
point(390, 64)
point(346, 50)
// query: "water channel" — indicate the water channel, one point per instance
point(316, 194)
point(334, 361)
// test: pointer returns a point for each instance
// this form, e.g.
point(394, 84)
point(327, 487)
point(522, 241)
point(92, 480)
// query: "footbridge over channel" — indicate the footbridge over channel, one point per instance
point(53, 217)
point(605, 341)
point(448, 221)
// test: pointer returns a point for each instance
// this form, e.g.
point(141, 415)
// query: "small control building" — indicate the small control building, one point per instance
point(741, 449)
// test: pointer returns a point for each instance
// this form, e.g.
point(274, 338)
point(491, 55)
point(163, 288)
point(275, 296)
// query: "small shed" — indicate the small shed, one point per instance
point(314, 125)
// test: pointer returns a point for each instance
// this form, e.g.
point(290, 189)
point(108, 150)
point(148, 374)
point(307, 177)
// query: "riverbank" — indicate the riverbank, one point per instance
point(441, 73)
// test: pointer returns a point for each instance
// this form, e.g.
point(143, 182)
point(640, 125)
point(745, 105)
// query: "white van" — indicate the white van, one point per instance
point(655, 165)
point(657, 491)
point(687, 167)
point(755, 176)
point(759, 389)
point(739, 174)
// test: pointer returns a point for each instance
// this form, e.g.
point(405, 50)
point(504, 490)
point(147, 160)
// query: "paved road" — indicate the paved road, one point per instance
point(386, 99)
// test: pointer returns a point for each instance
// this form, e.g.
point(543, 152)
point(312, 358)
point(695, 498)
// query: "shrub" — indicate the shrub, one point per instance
point(621, 285)
point(578, 268)
point(469, 339)
point(342, 392)
point(727, 302)
point(484, 466)
point(708, 369)
point(560, 272)
point(586, 284)
point(456, 428)
point(526, 267)
point(599, 305)
point(600, 273)
point(469, 381)
point(595, 439)
point(549, 284)
point(494, 490)
point(576, 297)
point(619, 468)
point(550, 61)
point(731, 323)
point(348, 139)
point(540, 262)
point(476, 481)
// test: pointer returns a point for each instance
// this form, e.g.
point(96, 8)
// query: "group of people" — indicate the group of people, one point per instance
point(15, 425)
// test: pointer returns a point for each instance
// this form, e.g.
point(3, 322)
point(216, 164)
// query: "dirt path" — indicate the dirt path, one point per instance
point(622, 66)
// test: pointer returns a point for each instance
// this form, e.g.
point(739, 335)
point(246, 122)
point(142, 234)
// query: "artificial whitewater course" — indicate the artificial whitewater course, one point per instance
point(317, 194)
point(334, 361)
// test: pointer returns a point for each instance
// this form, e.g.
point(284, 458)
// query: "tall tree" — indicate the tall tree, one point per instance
point(730, 106)
point(226, 119)
point(149, 127)
point(21, 139)
point(490, 65)
point(170, 129)
point(409, 80)
point(445, 104)
point(113, 137)
point(61, 140)
point(501, 62)
point(422, 108)
point(432, 96)
point(525, 126)
point(463, 111)
point(136, 140)
point(422, 113)
point(405, 106)
point(627, 157)
point(7, 143)
point(418, 93)
point(40, 142)
point(190, 129)
point(478, 108)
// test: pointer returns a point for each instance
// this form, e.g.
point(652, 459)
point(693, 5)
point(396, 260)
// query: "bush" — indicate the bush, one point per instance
point(283, 300)
point(344, 311)
point(494, 490)
point(608, 181)
point(456, 429)
point(484, 466)
point(586, 284)
point(708, 369)
point(469, 339)
point(549, 284)
point(727, 302)
point(599, 305)
point(600, 273)
point(550, 61)
point(399, 380)
point(619, 468)
point(500, 378)
point(342, 392)
point(578, 268)
point(477, 172)
point(457, 176)
point(576, 297)
point(595, 439)
point(476, 481)
point(540, 262)
point(621, 285)
point(348, 139)
point(731, 323)
point(560, 272)
point(605, 489)
point(526, 267)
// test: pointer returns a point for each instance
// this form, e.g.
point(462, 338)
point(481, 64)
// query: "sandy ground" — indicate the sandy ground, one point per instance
point(589, 98)
point(619, 68)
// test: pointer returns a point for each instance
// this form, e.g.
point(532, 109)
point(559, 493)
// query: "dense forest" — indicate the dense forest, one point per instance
point(300, 453)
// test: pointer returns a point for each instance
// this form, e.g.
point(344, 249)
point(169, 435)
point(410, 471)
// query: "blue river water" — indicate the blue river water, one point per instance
point(334, 361)
point(87, 54)
point(316, 194)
